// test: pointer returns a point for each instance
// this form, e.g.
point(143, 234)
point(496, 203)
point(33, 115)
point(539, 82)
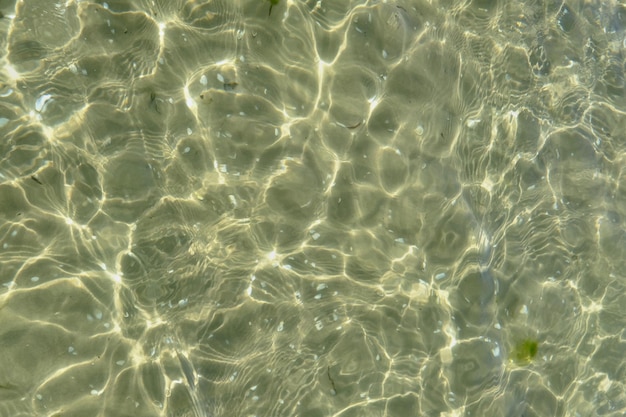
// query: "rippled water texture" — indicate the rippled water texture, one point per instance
point(330, 208)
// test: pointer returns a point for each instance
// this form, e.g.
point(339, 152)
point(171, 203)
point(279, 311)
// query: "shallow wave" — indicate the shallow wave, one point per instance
point(336, 208)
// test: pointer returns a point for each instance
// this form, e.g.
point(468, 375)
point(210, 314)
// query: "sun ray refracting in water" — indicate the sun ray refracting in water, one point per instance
point(346, 207)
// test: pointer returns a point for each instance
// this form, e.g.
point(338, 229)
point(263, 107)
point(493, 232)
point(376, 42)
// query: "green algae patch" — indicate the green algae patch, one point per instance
point(525, 351)
point(272, 4)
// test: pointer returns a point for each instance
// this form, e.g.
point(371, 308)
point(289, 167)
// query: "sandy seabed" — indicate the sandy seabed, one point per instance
point(336, 208)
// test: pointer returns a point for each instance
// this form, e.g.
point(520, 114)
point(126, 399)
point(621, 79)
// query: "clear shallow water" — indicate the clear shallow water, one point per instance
point(336, 209)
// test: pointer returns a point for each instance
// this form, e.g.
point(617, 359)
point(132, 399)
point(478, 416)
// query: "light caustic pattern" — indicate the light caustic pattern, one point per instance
point(339, 208)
